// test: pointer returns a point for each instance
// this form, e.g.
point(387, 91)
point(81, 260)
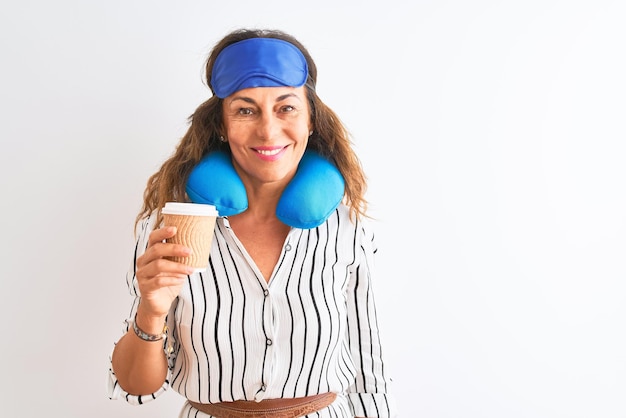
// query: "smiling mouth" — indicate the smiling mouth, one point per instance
point(269, 151)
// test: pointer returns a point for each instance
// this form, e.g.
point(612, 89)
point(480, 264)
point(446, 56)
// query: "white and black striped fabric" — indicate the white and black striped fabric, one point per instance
point(311, 329)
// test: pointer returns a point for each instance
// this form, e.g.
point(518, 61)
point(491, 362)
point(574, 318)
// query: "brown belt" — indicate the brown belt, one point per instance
point(267, 408)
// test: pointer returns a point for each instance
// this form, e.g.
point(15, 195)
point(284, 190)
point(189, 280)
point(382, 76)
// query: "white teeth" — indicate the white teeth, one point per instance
point(268, 151)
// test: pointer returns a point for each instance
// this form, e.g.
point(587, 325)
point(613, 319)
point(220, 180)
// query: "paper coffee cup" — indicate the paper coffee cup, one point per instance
point(194, 224)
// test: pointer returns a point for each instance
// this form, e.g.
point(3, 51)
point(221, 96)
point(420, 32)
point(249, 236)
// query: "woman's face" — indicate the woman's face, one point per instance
point(267, 129)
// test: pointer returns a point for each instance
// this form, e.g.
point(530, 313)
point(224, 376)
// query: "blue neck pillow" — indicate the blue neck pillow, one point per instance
point(308, 200)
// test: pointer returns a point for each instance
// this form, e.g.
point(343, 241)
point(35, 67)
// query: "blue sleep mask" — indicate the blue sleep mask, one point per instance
point(308, 200)
point(258, 62)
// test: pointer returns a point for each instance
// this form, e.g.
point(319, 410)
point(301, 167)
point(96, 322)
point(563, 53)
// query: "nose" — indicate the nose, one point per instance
point(267, 126)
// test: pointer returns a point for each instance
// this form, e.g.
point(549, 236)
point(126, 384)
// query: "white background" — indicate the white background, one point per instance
point(493, 136)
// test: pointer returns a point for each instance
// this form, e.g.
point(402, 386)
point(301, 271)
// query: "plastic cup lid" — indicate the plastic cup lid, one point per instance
point(194, 209)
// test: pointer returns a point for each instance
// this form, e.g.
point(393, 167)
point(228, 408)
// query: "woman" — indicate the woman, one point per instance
point(283, 322)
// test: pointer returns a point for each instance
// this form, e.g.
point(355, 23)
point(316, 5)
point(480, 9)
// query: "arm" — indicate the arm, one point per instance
point(140, 366)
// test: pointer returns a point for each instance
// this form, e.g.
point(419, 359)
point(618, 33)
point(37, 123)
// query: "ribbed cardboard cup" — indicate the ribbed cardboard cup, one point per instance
point(195, 223)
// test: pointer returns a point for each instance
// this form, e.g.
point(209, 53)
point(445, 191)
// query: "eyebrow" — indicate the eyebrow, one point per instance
point(252, 101)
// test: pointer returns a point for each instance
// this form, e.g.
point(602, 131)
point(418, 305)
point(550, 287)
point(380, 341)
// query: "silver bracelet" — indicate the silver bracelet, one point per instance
point(145, 336)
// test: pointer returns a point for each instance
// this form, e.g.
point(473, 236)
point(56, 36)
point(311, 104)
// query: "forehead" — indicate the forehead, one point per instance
point(268, 94)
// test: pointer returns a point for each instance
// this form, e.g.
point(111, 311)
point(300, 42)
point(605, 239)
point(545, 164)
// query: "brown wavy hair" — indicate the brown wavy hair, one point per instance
point(330, 138)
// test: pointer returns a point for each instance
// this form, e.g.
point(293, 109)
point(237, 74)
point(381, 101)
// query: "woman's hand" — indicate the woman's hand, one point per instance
point(160, 279)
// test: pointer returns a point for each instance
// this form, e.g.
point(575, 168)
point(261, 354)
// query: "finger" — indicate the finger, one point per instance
point(154, 284)
point(162, 250)
point(166, 249)
point(162, 267)
point(160, 235)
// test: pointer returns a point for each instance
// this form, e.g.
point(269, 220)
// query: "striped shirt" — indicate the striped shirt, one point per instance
point(311, 329)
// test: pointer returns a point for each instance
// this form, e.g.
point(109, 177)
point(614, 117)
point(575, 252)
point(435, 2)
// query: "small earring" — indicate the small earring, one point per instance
point(222, 138)
point(310, 133)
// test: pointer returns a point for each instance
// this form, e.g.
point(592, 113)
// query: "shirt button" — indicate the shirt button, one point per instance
point(288, 247)
point(266, 292)
point(269, 342)
point(263, 387)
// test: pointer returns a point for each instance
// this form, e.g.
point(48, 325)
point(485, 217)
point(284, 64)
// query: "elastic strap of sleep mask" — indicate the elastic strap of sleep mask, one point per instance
point(258, 62)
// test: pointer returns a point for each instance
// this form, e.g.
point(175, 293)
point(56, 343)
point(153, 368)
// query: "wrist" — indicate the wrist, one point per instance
point(150, 324)
point(145, 336)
